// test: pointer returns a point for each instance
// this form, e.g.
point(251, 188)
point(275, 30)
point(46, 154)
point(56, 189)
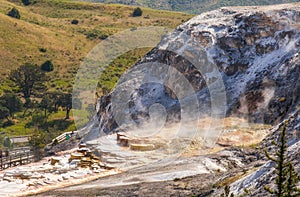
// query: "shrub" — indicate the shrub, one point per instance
point(74, 22)
point(103, 37)
point(47, 66)
point(55, 142)
point(137, 12)
point(91, 35)
point(26, 2)
point(37, 143)
point(8, 123)
point(96, 34)
point(43, 50)
point(14, 13)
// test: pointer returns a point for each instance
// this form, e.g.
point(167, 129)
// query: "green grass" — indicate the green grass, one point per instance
point(22, 124)
point(111, 74)
point(18, 129)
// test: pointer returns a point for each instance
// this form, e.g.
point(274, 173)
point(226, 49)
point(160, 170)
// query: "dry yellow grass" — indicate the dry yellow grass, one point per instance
point(47, 24)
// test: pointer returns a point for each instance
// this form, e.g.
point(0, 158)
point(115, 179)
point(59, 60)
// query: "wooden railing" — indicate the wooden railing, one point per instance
point(61, 138)
point(15, 157)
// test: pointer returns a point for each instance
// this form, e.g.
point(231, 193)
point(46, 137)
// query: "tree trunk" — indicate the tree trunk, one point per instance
point(12, 115)
point(45, 113)
point(67, 114)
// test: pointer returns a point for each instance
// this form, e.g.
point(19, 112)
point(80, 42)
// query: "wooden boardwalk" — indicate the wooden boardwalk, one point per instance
point(15, 157)
point(23, 155)
point(61, 138)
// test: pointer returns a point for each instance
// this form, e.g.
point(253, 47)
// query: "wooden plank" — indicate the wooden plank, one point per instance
point(16, 157)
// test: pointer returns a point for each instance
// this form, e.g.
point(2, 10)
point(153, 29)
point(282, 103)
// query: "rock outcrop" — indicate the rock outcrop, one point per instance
point(251, 52)
point(244, 61)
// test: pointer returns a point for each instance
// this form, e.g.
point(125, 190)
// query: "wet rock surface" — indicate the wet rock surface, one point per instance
point(183, 177)
point(206, 175)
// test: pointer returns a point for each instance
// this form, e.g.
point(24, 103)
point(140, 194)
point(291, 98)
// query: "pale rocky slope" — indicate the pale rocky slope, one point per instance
point(253, 52)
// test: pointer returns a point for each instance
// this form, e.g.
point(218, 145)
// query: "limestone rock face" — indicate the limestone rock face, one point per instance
point(256, 51)
point(253, 52)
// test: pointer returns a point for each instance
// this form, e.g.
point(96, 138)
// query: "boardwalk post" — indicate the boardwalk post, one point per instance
point(15, 157)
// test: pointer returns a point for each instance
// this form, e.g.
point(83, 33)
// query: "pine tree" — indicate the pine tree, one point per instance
point(11, 102)
point(291, 184)
point(30, 80)
point(287, 179)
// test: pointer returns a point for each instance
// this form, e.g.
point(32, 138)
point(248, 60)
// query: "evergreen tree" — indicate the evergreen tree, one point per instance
point(287, 178)
point(49, 103)
point(53, 100)
point(4, 113)
point(30, 80)
point(66, 103)
point(45, 105)
point(291, 183)
point(11, 102)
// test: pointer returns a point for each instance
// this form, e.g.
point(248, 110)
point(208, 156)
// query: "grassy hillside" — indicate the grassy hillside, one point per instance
point(44, 32)
point(47, 25)
point(194, 6)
